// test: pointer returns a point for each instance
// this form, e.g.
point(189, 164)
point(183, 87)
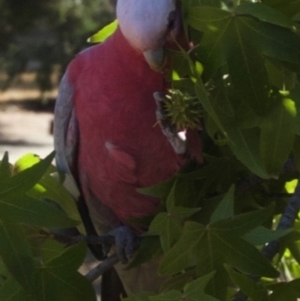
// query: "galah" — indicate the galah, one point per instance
point(106, 132)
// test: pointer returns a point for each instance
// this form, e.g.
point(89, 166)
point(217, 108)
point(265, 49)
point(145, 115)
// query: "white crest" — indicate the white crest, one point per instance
point(144, 23)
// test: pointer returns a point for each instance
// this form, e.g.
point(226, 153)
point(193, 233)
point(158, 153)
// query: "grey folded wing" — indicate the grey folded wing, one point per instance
point(66, 134)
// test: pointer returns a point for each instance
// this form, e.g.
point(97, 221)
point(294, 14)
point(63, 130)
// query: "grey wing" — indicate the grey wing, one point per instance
point(66, 141)
point(66, 133)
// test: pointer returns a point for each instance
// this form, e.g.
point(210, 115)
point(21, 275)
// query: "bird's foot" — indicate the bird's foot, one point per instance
point(125, 241)
point(176, 138)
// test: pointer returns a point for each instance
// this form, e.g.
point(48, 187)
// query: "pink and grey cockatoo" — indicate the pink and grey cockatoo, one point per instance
point(105, 133)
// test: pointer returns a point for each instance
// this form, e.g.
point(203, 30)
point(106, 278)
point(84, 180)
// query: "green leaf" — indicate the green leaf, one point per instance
point(262, 235)
point(243, 142)
point(295, 96)
point(149, 248)
point(208, 19)
point(245, 146)
point(178, 282)
point(58, 279)
point(296, 151)
point(180, 68)
point(55, 191)
point(213, 245)
point(264, 13)
point(214, 23)
point(226, 245)
point(104, 33)
point(3, 270)
point(17, 255)
point(195, 289)
point(187, 4)
point(168, 226)
point(51, 249)
point(26, 161)
point(203, 97)
point(49, 187)
point(5, 169)
point(241, 255)
point(210, 205)
point(202, 296)
point(227, 35)
point(184, 213)
point(277, 136)
point(180, 257)
point(273, 41)
point(12, 291)
point(24, 181)
point(288, 7)
point(69, 260)
point(285, 291)
point(139, 297)
point(226, 208)
point(218, 172)
point(247, 72)
point(168, 296)
point(249, 287)
point(24, 209)
point(171, 199)
point(160, 190)
point(292, 242)
point(185, 191)
point(244, 223)
point(218, 286)
point(290, 186)
point(53, 286)
point(239, 42)
point(280, 76)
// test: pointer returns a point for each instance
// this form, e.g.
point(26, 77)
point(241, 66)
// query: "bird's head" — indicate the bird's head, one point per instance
point(147, 25)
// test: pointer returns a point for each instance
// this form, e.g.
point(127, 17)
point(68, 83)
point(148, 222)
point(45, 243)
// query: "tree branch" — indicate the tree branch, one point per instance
point(102, 267)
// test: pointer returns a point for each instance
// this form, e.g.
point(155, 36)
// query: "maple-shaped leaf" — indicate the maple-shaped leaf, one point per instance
point(208, 247)
point(193, 291)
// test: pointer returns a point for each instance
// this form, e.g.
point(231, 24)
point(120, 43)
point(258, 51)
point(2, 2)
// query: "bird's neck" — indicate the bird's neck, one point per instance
point(124, 49)
point(132, 60)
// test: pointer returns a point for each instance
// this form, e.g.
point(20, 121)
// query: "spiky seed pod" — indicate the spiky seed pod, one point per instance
point(184, 110)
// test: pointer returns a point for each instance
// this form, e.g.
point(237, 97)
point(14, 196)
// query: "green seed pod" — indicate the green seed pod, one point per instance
point(184, 110)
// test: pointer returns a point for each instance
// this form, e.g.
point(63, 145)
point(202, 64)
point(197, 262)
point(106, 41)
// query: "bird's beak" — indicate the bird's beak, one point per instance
point(155, 58)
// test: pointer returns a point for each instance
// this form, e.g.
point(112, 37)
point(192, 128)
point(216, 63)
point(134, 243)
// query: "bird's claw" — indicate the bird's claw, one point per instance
point(125, 241)
point(175, 137)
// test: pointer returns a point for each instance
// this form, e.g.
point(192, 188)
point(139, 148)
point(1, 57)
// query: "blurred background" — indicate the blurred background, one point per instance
point(38, 38)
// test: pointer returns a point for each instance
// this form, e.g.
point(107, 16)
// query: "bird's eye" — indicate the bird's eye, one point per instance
point(172, 20)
